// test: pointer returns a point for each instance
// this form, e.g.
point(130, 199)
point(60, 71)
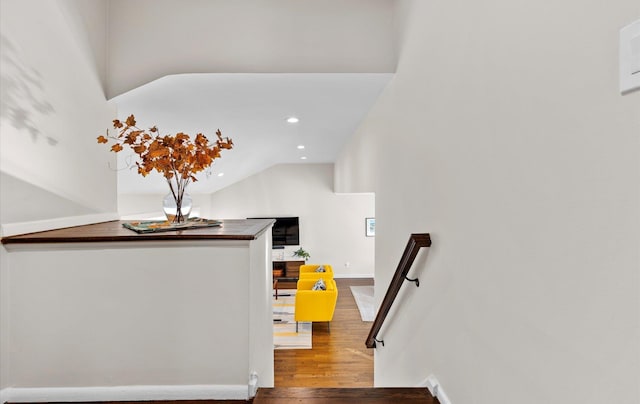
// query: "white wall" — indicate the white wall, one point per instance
point(151, 315)
point(276, 36)
point(503, 134)
point(52, 108)
point(132, 326)
point(331, 225)
point(91, 21)
point(260, 285)
point(4, 322)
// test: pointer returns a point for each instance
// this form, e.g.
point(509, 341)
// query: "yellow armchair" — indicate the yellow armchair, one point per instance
point(315, 305)
point(308, 271)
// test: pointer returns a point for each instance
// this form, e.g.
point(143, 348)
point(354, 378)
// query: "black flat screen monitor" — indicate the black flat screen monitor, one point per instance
point(285, 231)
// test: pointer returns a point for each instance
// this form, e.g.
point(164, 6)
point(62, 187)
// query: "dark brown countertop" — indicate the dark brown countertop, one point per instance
point(235, 229)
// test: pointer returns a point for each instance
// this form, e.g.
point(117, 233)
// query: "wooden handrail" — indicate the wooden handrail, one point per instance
point(416, 241)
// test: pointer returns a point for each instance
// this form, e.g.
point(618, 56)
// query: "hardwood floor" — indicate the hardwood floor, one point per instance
point(318, 395)
point(339, 358)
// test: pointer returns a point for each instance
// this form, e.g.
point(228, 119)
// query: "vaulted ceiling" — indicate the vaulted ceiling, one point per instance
point(253, 110)
point(245, 67)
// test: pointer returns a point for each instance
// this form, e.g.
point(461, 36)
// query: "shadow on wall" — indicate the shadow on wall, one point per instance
point(22, 201)
point(22, 96)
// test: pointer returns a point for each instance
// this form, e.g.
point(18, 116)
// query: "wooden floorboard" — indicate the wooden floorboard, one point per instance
point(339, 358)
point(344, 395)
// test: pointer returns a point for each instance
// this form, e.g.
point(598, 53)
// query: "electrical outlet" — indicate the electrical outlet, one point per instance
point(347, 264)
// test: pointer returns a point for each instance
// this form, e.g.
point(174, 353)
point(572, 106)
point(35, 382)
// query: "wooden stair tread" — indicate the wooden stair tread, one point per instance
point(396, 395)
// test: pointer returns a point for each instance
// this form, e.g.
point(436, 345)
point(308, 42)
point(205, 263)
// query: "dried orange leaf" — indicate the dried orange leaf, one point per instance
point(131, 120)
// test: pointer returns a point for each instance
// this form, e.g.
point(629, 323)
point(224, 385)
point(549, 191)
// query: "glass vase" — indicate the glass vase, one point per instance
point(177, 209)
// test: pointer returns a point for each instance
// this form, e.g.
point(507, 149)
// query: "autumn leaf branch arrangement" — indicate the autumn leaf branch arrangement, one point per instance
point(178, 158)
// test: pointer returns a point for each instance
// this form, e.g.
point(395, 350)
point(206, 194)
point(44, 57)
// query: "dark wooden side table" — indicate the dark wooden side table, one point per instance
point(285, 280)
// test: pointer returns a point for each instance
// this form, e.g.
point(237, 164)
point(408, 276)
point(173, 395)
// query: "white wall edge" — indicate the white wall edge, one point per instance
point(123, 393)
point(12, 229)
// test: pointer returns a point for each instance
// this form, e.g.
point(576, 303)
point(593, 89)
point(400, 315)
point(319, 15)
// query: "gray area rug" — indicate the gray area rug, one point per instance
point(364, 299)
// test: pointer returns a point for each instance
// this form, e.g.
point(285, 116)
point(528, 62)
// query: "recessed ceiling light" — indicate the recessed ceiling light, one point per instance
point(220, 174)
point(293, 119)
point(300, 146)
point(303, 158)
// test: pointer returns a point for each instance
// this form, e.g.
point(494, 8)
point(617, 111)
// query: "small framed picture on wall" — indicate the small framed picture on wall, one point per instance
point(370, 226)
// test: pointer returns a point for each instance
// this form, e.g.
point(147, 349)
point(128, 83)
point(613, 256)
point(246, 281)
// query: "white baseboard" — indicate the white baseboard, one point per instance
point(4, 395)
point(12, 229)
point(435, 388)
point(123, 393)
